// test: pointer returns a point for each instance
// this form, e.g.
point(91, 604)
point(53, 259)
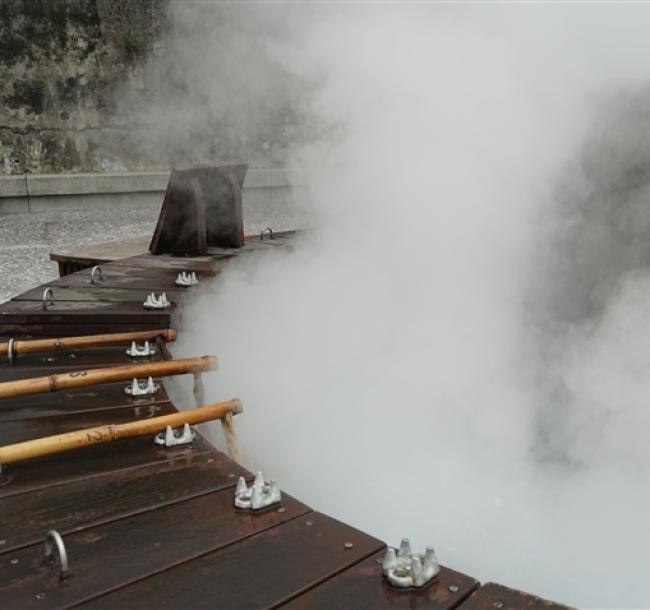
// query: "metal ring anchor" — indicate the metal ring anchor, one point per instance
point(268, 230)
point(11, 350)
point(48, 297)
point(96, 269)
point(53, 540)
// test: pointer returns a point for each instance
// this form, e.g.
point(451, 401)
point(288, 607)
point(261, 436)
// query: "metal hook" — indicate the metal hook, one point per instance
point(48, 296)
point(53, 539)
point(96, 269)
point(268, 230)
point(11, 353)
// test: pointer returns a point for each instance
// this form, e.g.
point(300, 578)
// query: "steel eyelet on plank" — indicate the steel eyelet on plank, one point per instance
point(268, 231)
point(48, 297)
point(11, 353)
point(96, 269)
point(53, 541)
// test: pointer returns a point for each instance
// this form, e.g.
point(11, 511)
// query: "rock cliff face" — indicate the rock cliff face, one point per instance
point(106, 85)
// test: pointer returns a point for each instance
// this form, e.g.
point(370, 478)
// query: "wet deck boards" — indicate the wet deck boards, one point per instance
point(150, 527)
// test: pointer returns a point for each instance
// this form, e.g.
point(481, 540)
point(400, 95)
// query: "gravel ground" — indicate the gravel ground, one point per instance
point(27, 239)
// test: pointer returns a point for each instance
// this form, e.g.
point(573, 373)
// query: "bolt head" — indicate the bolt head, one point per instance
point(348, 545)
point(453, 588)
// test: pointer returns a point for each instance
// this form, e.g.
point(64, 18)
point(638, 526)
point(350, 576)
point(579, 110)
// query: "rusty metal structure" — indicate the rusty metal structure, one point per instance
point(142, 524)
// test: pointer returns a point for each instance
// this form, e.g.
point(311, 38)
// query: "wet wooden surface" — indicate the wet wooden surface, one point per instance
point(491, 596)
point(260, 572)
point(153, 527)
point(361, 587)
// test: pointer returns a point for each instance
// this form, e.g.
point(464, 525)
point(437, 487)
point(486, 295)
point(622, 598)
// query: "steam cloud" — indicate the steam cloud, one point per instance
point(458, 351)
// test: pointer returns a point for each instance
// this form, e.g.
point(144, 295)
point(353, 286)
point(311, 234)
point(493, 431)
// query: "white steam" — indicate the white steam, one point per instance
point(441, 357)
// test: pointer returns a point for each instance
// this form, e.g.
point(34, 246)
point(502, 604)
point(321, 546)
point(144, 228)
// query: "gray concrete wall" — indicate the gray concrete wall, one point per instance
point(31, 193)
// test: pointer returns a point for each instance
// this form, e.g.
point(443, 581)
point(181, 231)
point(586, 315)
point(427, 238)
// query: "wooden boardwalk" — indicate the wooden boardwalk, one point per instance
point(151, 527)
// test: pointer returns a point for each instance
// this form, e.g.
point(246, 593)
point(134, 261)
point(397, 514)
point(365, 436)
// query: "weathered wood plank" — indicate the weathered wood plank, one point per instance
point(36, 427)
point(125, 551)
point(260, 572)
point(100, 294)
point(362, 588)
point(78, 400)
point(491, 596)
point(92, 462)
point(81, 504)
point(54, 361)
point(68, 312)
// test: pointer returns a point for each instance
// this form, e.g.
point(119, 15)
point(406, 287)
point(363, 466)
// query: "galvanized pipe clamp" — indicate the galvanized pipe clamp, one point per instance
point(404, 569)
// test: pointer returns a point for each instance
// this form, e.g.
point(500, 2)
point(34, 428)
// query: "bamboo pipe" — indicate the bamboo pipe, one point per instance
point(31, 346)
point(80, 379)
point(105, 434)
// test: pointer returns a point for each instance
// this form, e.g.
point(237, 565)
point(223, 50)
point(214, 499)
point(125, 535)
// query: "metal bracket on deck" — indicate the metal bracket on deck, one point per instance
point(48, 297)
point(186, 279)
point(145, 389)
point(171, 437)
point(404, 569)
point(135, 351)
point(154, 302)
point(53, 541)
point(259, 495)
point(11, 352)
point(96, 269)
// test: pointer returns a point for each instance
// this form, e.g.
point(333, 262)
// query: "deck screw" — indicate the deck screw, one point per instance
point(348, 545)
point(309, 523)
point(14, 561)
point(498, 604)
point(3, 542)
point(231, 476)
point(453, 588)
point(40, 595)
point(281, 509)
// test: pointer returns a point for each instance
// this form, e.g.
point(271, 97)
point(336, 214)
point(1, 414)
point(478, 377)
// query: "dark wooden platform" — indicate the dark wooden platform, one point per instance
point(149, 527)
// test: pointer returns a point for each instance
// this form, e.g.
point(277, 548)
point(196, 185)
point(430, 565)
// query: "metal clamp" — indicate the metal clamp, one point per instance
point(259, 495)
point(404, 569)
point(186, 279)
point(268, 230)
point(171, 437)
point(53, 541)
point(135, 351)
point(146, 389)
point(48, 297)
point(154, 302)
point(11, 352)
point(96, 269)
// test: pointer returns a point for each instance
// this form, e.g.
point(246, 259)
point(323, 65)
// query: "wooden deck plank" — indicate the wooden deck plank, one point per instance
point(151, 283)
point(100, 293)
point(133, 549)
point(36, 427)
point(362, 588)
point(26, 329)
point(491, 596)
point(81, 504)
point(78, 400)
point(93, 462)
point(70, 360)
point(69, 312)
point(260, 572)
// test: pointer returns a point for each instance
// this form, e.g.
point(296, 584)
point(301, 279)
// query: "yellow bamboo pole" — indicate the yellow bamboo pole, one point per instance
point(31, 346)
point(69, 441)
point(79, 379)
